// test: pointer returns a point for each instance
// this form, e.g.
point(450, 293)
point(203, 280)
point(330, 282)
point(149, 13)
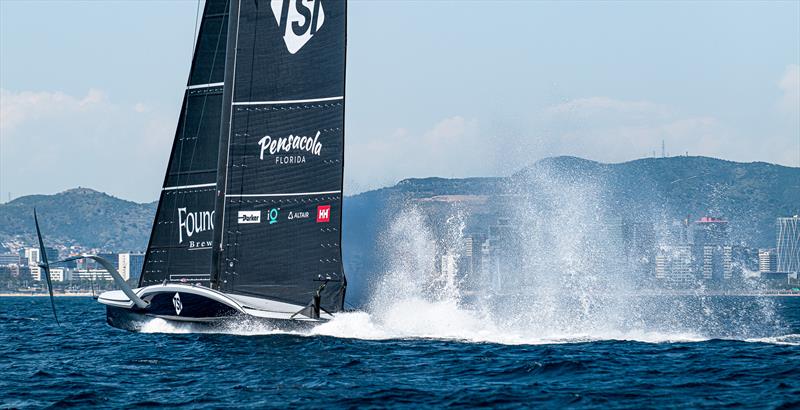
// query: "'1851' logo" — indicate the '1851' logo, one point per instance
point(299, 20)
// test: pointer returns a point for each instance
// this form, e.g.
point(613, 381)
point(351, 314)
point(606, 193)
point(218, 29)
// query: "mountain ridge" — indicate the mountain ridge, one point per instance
point(754, 192)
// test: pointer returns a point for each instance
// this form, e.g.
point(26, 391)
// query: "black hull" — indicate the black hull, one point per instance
point(133, 321)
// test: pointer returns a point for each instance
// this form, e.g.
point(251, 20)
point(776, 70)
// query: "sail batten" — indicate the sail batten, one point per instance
point(288, 101)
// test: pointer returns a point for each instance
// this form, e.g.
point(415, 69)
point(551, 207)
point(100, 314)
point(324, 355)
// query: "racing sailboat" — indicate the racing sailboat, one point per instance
point(248, 225)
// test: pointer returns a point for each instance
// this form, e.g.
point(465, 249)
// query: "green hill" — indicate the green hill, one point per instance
point(79, 216)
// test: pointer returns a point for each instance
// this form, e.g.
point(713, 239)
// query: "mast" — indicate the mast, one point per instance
point(280, 159)
point(180, 242)
point(222, 155)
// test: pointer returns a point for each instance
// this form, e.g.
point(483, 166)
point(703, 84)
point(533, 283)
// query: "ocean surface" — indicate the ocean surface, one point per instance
point(440, 356)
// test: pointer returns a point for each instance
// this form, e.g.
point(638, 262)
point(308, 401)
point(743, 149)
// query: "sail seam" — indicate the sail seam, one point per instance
point(288, 101)
point(283, 194)
point(209, 85)
point(172, 188)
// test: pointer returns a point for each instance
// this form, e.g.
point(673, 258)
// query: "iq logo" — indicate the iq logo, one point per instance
point(323, 213)
point(273, 216)
point(299, 20)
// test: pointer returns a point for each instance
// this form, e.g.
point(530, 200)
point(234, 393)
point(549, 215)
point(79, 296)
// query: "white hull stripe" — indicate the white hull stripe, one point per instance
point(285, 194)
point(209, 85)
point(311, 100)
point(172, 188)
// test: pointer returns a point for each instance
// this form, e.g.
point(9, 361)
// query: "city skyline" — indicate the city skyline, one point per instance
point(495, 101)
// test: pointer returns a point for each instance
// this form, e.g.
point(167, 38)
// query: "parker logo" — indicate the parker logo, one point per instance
point(323, 213)
point(249, 217)
point(299, 20)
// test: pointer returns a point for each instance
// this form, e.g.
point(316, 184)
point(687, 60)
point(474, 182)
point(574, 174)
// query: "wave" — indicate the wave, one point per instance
point(420, 319)
point(418, 298)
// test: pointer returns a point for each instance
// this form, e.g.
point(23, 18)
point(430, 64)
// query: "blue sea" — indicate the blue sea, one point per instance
point(418, 356)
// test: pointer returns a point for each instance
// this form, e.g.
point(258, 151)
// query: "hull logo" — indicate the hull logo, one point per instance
point(176, 301)
point(249, 217)
point(299, 20)
point(323, 213)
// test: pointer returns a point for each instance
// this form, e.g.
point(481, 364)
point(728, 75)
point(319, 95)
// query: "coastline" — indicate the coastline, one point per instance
point(38, 295)
point(648, 294)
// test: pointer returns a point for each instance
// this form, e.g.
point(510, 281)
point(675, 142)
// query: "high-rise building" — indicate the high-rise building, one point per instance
point(674, 264)
point(710, 231)
point(130, 265)
point(712, 251)
point(473, 244)
point(91, 275)
point(767, 260)
point(7, 259)
point(33, 255)
point(504, 256)
point(56, 274)
point(91, 264)
point(788, 244)
point(639, 246)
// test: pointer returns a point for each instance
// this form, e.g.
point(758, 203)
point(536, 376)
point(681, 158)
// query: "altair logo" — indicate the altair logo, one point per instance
point(299, 20)
point(298, 215)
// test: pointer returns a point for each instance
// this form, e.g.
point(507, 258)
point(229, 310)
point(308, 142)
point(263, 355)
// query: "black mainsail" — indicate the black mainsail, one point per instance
point(249, 222)
point(281, 157)
point(180, 246)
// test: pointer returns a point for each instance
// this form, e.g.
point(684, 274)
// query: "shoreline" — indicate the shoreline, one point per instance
point(743, 294)
point(38, 295)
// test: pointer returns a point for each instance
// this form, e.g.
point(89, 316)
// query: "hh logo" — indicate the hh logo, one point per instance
point(323, 213)
point(299, 20)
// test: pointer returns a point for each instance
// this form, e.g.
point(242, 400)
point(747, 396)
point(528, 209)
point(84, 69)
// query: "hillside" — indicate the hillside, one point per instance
point(79, 216)
point(660, 190)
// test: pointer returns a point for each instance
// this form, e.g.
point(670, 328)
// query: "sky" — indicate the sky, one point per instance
point(90, 90)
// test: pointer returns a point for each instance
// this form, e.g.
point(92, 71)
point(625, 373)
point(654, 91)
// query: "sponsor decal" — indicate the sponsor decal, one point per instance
point(294, 148)
point(176, 301)
point(273, 216)
point(299, 215)
point(323, 213)
point(249, 217)
point(190, 223)
point(299, 20)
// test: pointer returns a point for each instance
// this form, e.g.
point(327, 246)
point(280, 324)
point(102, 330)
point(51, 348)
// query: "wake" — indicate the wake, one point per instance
point(414, 298)
point(420, 319)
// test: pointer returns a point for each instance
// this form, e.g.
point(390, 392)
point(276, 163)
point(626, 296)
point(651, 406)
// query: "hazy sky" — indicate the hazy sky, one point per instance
point(91, 90)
